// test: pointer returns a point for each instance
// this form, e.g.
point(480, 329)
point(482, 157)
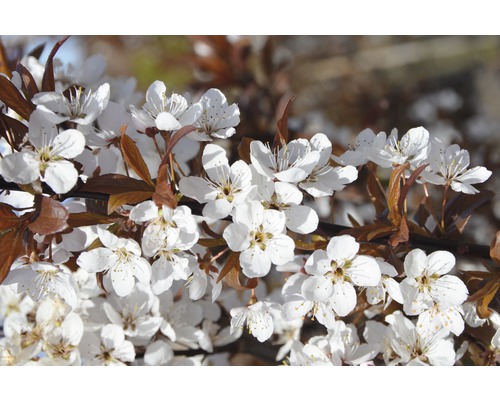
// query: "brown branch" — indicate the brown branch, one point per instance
point(428, 244)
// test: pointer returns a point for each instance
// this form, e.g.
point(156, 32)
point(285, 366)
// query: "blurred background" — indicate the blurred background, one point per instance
point(343, 84)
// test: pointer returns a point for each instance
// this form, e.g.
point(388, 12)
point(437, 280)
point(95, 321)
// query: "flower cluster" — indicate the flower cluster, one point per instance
point(139, 239)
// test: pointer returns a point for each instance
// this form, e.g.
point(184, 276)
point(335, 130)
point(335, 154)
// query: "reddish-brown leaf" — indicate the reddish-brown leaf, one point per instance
point(100, 281)
point(233, 280)
point(133, 157)
point(377, 195)
point(281, 137)
point(13, 131)
point(402, 235)
point(134, 197)
point(29, 86)
point(48, 82)
point(211, 242)
point(408, 184)
point(14, 99)
point(380, 232)
point(115, 184)
point(244, 149)
point(495, 249)
point(232, 261)
point(37, 51)
point(52, 216)
point(4, 64)
point(77, 220)
point(163, 191)
point(8, 219)
point(460, 207)
point(482, 303)
point(185, 130)
point(11, 247)
point(394, 194)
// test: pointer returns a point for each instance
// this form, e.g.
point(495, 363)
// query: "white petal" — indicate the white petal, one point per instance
point(215, 162)
point(68, 144)
point(141, 269)
point(301, 219)
point(167, 122)
point(158, 353)
point(415, 263)
point(197, 188)
point(122, 279)
point(237, 236)
point(61, 176)
point(254, 262)
point(217, 209)
point(343, 299)
point(21, 167)
point(440, 262)
point(144, 212)
point(341, 248)
point(280, 249)
point(449, 291)
point(318, 263)
point(97, 260)
point(364, 271)
point(317, 288)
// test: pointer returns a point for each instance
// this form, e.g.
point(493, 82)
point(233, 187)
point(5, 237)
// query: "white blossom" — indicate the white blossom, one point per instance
point(258, 234)
point(225, 186)
point(448, 166)
point(46, 157)
point(120, 258)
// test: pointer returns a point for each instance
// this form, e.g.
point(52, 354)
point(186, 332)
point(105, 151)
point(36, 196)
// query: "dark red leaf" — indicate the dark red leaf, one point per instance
point(4, 63)
point(281, 137)
point(495, 249)
point(244, 149)
point(77, 220)
point(185, 130)
point(48, 82)
point(14, 99)
point(133, 157)
point(460, 207)
point(11, 247)
point(51, 217)
point(163, 192)
point(408, 184)
point(14, 131)
point(394, 193)
point(8, 219)
point(115, 184)
point(29, 85)
point(134, 197)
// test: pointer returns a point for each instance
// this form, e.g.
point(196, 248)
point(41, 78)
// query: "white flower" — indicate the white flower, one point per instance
point(387, 287)
point(46, 157)
point(39, 279)
point(425, 285)
point(257, 317)
point(162, 112)
point(258, 234)
point(413, 147)
point(109, 348)
point(180, 318)
point(133, 312)
point(336, 271)
point(325, 179)
point(82, 107)
point(291, 163)
point(166, 227)
point(217, 118)
point(286, 198)
point(448, 166)
point(13, 303)
point(120, 258)
point(438, 318)
point(62, 342)
point(359, 154)
point(225, 187)
point(414, 348)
